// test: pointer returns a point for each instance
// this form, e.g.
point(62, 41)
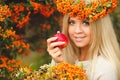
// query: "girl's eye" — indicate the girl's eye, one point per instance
point(86, 23)
point(71, 22)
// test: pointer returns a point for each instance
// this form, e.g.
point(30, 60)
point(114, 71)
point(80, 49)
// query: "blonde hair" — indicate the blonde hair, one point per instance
point(70, 50)
point(104, 43)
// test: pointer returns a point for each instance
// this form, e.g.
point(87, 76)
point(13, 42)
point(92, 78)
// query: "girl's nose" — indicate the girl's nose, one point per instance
point(78, 28)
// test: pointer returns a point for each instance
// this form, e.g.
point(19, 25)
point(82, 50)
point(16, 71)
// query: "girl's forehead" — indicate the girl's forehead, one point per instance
point(77, 19)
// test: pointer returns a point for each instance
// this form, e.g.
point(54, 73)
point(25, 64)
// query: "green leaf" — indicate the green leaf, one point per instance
point(81, 65)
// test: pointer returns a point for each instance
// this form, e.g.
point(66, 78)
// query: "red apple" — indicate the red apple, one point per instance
point(61, 38)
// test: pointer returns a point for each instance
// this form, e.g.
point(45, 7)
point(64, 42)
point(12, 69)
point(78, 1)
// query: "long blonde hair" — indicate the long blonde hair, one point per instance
point(104, 42)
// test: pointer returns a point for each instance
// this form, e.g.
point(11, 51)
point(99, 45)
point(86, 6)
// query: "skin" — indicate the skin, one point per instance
point(79, 32)
point(55, 52)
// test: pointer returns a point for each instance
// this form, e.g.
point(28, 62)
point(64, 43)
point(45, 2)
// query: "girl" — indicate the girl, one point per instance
point(92, 41)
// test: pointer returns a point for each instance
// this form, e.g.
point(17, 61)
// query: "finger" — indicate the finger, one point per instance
point(55, 44)
point(51, 40)
point(57, 54)
point(53, 51)
point(58, 57)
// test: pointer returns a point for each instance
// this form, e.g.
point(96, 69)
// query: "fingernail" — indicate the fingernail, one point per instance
point(56, 38)
point(62, 42)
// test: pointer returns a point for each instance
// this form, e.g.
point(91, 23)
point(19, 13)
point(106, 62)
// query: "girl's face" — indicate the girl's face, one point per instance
point(79, 32)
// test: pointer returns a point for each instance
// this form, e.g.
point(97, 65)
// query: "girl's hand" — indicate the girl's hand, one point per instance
point(53, 49)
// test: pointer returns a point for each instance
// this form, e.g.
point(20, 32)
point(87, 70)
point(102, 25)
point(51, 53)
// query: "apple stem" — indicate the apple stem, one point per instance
point(58, 31)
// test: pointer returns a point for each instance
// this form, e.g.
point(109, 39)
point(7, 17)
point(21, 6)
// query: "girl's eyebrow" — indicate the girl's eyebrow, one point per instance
point(70, 20)
point(86, 20)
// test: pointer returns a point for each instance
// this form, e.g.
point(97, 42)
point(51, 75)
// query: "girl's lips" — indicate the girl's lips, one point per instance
point(79, 39)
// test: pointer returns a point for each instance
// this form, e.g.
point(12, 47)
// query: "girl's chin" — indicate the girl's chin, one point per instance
point(80, 45)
